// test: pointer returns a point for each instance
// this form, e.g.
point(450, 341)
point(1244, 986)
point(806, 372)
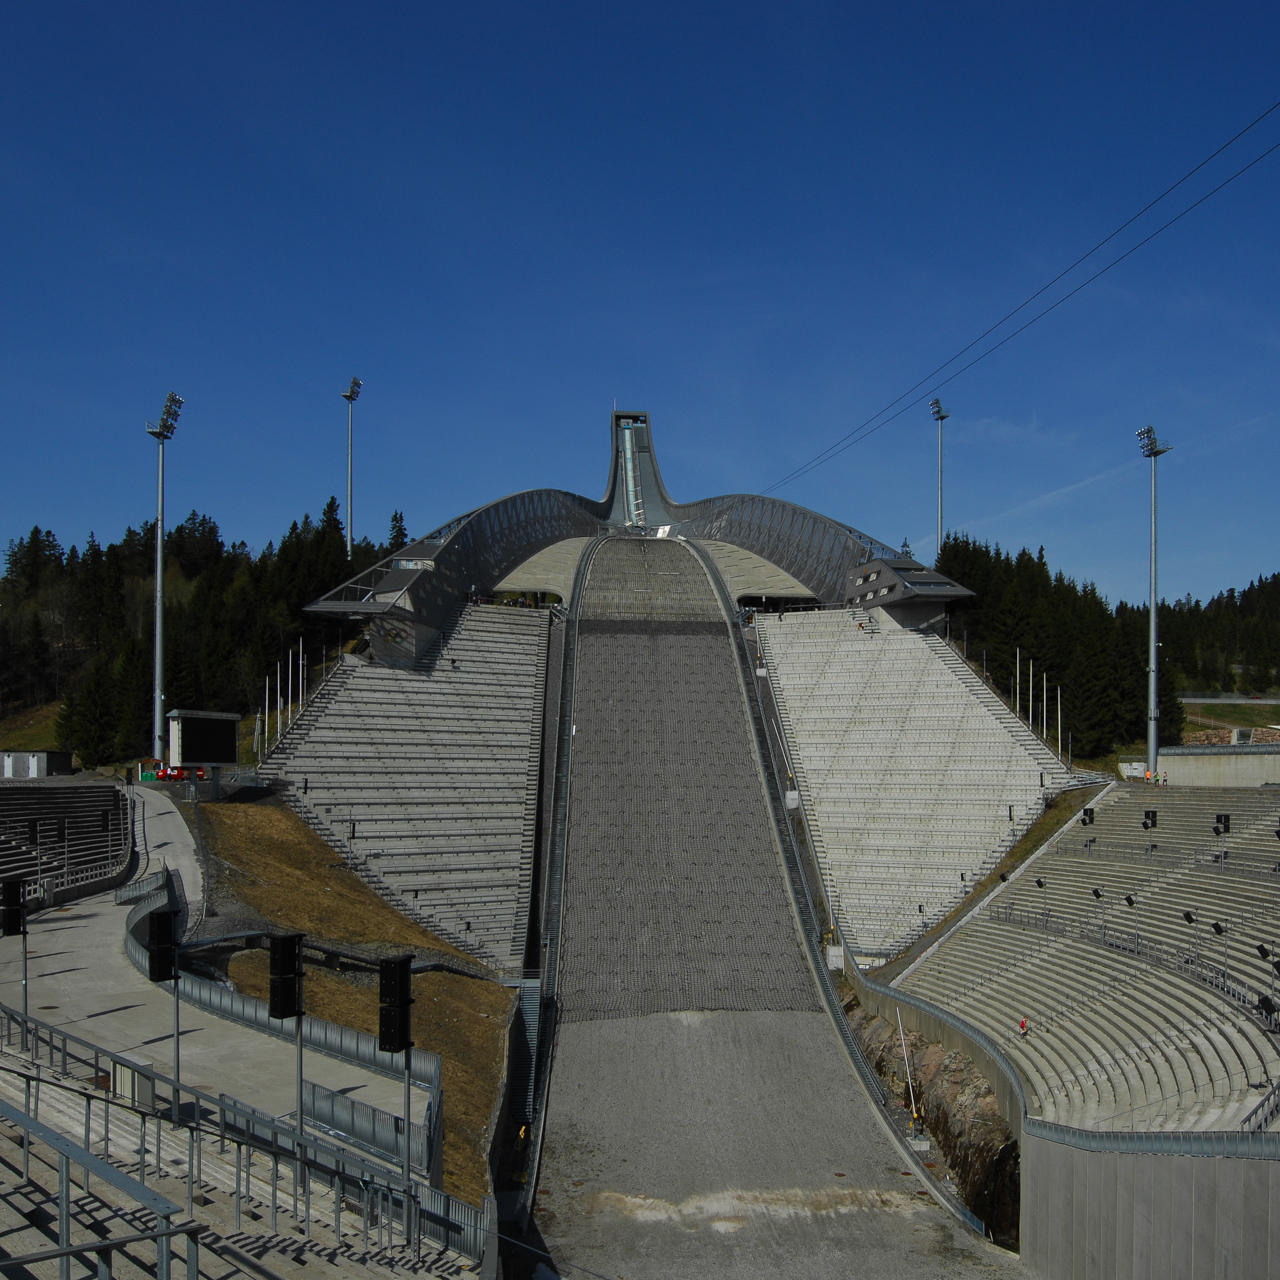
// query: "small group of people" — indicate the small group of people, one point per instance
point(1156, 779)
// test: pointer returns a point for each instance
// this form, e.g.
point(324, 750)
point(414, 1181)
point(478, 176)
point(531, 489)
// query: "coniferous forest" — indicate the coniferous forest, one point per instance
point(76, 626)
point(1097, 653)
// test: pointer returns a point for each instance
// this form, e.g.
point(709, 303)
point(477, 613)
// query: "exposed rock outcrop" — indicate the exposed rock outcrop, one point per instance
point(959, 1111)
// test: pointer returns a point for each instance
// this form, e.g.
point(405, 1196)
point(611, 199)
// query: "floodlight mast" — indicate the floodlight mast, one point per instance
point(350, 395)
point(939, 416)
point(1152, 448)
point(162, 431)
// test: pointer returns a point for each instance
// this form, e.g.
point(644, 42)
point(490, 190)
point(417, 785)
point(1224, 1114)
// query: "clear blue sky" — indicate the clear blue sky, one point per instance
point(758, 222)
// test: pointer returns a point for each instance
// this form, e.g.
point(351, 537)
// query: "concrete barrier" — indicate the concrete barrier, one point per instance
point(1222, 766)
point(1118, 1204)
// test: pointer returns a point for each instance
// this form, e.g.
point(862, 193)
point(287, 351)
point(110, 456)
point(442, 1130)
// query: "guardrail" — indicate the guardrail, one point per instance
point(1252, 1146)
point(553, 902)
point(420, 1211)
point(344, 1043)
point(802, 899)
point(92, 1166)
point(377, 1131)
point(1131, 943)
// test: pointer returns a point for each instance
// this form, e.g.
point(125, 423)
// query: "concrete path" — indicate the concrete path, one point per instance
point(82, 980)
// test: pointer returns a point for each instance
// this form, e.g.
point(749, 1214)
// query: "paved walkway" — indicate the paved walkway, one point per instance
point(82, 980)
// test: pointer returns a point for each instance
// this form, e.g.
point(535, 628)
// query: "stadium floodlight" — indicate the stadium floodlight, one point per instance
point(1219, 929)
point(1152, 448)
point(161, 431)
point(940, 415)
point(1097, 893)
point(350, 395)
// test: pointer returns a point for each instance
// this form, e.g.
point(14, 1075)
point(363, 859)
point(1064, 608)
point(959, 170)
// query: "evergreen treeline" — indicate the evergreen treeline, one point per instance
point(79, 625)
point(1097, 654)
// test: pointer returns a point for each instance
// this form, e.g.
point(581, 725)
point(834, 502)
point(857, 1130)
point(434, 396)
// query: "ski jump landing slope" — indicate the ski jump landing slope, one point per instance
point(703, 1119)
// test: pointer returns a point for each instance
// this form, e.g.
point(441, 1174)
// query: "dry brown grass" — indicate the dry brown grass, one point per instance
point(289, 875)
point(294, 879)
point(461, 1019)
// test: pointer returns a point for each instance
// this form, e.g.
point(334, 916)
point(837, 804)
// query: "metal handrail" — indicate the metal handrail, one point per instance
point(344, 1043)
point(802, 896)
point(447, 1220)
point(553, 903)
point(1255, 1146)
point(1132, 943)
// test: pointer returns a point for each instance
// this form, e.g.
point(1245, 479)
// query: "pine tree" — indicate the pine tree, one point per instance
point(95, 718)
point(399, 538)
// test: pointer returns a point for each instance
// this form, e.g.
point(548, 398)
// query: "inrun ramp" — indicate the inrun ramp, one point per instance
point(703, 1118)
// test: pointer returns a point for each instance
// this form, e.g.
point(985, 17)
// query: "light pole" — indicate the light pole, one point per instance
point(162, 430)
point(939, 416)
point(1152, 448)
point(350, 395)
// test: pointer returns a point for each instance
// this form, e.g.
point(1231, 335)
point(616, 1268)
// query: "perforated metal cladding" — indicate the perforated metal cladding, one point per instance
point(674, 896)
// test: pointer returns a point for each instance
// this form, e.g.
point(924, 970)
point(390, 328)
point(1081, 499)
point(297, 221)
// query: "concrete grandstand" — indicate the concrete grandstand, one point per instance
point(639, 756)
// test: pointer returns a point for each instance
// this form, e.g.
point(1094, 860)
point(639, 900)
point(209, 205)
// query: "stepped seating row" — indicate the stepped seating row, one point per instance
point(911, 771)
point(426, 779)
point(1097, 1018)
point(1115, 1041)
point(51, 829)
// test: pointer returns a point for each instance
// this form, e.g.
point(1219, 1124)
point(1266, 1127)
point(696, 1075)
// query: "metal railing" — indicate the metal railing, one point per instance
point(1264, 1113)
point(344, 1043)
point(418, 1211)
point(802, 899)
point(91, 1166)
point(1250, 1146)
point(553, 902)
point(1131, 943)
point(379, 1132)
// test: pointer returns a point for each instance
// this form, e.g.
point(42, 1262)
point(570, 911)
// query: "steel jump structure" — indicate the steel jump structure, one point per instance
point(415, 591)
point(724, 752)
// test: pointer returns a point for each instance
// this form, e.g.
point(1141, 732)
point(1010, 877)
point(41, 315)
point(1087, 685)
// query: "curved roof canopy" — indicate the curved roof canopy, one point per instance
point(429, 578)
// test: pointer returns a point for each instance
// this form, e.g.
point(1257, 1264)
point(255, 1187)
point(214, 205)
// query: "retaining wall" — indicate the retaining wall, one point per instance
point(1209, 766)
point(1119, 1205)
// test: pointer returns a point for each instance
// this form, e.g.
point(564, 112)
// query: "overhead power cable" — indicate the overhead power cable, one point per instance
point(860, 432)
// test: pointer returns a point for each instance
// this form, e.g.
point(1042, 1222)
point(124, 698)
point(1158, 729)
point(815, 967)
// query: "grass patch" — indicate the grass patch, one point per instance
point(461, 1019)
point(1243, 715)
point(286, 873)
point(34, 729)
point(289, 875)
point(1059, 812)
